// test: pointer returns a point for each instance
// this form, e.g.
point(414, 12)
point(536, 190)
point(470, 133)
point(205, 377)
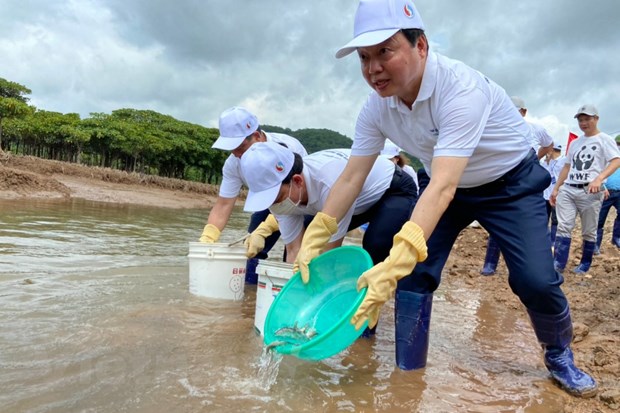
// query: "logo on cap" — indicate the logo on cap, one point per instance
point(279, 167)
point(248, 126)
point(408, 10)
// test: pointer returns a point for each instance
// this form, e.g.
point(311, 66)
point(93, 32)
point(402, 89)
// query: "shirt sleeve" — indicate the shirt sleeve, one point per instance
point(231, 179)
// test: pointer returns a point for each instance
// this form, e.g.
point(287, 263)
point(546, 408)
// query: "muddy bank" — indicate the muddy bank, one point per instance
point(30, 177)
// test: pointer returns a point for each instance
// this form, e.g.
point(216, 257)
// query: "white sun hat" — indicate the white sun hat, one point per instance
point(264, 166)
point(518, 102)
point(236, 124)
point(390, 150)
point(378, 20)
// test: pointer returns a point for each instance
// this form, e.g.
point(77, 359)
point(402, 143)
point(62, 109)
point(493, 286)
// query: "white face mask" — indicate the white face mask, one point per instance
point(286, 207)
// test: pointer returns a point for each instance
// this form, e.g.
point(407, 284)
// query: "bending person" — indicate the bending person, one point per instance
point(239, 130)
point(478, 165)
point(293, 187)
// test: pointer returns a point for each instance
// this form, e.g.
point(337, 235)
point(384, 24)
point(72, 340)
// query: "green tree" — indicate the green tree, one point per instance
point(13, 102)
point(314, 139)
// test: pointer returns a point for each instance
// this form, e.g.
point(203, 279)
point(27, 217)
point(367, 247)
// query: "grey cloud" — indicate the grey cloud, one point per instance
point(192, 59)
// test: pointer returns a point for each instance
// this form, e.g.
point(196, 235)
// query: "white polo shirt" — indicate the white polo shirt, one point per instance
point(459, 112)
point(232, 178)
point(554, 167)
point(588, 156)
point(321, 170)
point(539, 136)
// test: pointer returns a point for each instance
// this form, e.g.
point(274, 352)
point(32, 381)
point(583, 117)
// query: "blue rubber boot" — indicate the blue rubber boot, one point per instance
point(491, 258)
point(555, 333)
point(599, 239)
point(560, 252)
point(251, 277)
point(615, 236)
point(586, 257)
point(554, 230)
point(412, 317)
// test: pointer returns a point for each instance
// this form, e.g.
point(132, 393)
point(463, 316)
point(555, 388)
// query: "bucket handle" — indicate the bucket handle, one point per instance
point(239, 240)
point(268, 277)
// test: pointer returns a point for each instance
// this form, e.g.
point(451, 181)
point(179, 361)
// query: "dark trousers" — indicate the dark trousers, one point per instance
point(387, 216)
point(613, 200)
point(512, 209)
point(551, 213)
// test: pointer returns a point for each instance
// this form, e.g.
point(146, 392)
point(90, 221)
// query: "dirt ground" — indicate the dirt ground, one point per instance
point(594, 298)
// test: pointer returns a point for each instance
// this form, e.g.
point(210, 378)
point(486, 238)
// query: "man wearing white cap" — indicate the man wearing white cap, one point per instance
point(239, 130)
point(393, 153)
point(591, 158)
point(478, 165)
point(542, 143)
point(553, 163)
point(540, 139)
point(293, 187)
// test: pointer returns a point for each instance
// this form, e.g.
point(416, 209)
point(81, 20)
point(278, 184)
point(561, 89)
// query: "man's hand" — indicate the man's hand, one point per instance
point(317, 235)
point(255, 242)
point(408, 249)
point(553, 198)
point(210, 234)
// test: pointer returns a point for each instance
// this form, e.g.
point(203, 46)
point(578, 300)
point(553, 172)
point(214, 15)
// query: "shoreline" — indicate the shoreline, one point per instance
point(35, 178)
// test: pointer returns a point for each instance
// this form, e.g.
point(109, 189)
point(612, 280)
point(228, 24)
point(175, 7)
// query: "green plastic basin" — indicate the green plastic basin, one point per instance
point(312, 321)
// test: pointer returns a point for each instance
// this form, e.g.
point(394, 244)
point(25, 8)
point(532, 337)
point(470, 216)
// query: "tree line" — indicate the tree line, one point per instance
point(133, 140)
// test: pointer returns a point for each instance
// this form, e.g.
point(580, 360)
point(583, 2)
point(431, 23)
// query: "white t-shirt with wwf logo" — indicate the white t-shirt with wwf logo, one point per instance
point(588, 156)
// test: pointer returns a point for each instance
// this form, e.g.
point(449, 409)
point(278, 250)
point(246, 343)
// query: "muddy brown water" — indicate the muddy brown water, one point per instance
point(96, 316)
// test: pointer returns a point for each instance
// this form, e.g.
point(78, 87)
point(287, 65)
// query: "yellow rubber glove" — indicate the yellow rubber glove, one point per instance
point(210, 234)
point(408, 249)
point(316, 236)
point(255, 242)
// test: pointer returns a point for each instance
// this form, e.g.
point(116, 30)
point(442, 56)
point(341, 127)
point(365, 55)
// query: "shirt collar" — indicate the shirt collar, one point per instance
point(429, 80)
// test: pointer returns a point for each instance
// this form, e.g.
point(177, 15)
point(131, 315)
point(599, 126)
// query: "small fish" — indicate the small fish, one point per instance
point(275, 344)
point(296, 333)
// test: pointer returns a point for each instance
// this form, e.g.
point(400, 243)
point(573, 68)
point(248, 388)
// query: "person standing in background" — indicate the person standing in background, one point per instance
point(591, 158)
point(612, 199)
point(542, 143)
point(393, 153)
point(239, 130)
point(553, 163)
point(540, 139)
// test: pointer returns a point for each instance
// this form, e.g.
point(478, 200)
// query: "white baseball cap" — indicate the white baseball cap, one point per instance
point(236, 124)
point(557, 146)
point(587, 109)
point(378, 20)
point(518, 102)
point(264, 166)
point(390, 150)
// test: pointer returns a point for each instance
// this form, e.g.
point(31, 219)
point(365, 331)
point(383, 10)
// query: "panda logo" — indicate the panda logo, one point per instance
point(584, 158)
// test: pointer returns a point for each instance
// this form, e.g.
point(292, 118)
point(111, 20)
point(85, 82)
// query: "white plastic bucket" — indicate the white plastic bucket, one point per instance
point(272, 275)
point(216, 270)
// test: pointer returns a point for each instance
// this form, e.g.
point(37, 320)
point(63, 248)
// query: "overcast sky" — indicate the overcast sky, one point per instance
point(192, 59)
